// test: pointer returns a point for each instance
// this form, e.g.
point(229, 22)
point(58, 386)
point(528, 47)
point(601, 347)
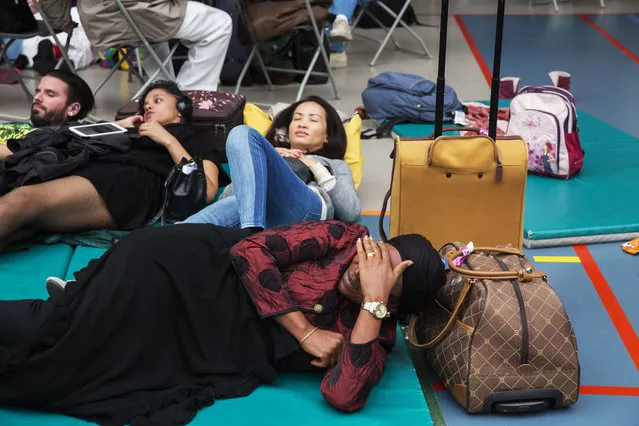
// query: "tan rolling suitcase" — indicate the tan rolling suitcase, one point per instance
point(459, 188)
point(498, 336)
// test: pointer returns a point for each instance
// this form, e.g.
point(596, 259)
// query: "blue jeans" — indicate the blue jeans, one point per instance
point(346, 8)
point(267, 192)
point(15, 49)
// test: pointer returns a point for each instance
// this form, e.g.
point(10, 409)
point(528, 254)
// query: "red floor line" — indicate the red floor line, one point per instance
point(610, 302)
point(483, 66)
point(611, 39)
point(583, 390)
point(609, 390)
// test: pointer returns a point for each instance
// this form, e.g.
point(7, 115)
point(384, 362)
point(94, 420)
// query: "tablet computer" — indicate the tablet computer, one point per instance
point(97, 129)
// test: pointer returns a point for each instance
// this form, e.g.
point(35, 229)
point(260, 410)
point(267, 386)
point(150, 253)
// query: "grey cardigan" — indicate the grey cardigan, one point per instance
point(341, 200)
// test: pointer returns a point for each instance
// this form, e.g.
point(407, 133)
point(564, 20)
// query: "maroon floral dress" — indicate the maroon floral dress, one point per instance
point(297, 268)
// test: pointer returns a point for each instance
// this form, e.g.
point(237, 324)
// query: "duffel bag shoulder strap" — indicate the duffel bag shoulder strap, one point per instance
point(412, 323)
point(524, 274)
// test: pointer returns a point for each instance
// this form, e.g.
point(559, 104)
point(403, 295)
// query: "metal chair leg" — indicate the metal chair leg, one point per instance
point(262, 64)
point(307, 75)
point(151, 78)
point(245, 69)
point(319, 36)
point(18, 77)
point(407, 27)
point(109, 75)
point(138, 33)
point(397, 22)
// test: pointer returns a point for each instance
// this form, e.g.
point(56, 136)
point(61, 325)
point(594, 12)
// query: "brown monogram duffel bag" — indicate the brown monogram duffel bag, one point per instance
point(498, 336)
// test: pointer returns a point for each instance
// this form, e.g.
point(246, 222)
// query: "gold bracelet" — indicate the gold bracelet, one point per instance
point(308, 335)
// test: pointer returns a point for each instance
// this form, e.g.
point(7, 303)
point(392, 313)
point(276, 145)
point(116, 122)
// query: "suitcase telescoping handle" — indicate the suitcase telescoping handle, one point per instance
point(441, 73)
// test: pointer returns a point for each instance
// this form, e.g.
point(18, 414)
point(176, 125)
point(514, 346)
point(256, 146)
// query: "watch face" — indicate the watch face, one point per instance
point(381, 310)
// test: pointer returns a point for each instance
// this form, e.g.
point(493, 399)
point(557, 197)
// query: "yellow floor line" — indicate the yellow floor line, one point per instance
point(558, 259)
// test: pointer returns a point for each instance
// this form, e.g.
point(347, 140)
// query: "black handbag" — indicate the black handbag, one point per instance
point(300, 169)
point(184, 192)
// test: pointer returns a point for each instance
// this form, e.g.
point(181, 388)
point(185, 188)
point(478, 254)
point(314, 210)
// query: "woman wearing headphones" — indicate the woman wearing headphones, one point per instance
point(119, 190)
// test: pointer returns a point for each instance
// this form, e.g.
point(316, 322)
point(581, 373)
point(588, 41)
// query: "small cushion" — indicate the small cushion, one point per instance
point(354, 157)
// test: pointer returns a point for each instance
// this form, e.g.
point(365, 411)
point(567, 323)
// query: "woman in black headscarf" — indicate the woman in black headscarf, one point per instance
point(171, 318)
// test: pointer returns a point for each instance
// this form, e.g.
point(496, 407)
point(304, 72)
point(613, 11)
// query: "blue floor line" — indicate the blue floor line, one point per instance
point(621, 271)
point(593, 327)
point(633, 18)
point(536, 45)
point(623, 30)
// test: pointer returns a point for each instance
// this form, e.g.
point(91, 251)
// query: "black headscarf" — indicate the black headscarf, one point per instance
point(424, 278)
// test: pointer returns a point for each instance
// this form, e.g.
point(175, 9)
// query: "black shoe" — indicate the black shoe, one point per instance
point(44, 61)
point(21, 62)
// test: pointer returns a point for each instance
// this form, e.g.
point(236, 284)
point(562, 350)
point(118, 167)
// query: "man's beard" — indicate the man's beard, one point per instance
point(43, 117)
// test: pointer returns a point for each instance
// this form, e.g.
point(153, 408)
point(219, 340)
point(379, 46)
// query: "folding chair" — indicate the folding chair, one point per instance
point(389, 31)
point(320, 51)
point(4, 59)
point(125, 53)
point(54, 28)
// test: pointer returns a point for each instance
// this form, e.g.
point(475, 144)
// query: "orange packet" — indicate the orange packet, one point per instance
point(631, 246)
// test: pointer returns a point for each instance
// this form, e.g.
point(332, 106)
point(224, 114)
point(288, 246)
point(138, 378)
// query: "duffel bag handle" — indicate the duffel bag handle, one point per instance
point(497, 153)
point(523, 274)
point(412, 323)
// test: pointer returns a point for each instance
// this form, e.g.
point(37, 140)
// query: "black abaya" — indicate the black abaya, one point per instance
point(154, 330)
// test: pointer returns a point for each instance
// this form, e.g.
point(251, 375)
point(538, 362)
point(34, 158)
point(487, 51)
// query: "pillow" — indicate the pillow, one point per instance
point(255, 117)
point(261, 121)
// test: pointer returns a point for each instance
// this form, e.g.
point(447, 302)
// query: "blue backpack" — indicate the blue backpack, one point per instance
point(401, 97)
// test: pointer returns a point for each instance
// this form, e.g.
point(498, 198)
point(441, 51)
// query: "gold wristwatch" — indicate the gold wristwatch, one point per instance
point(377, 309)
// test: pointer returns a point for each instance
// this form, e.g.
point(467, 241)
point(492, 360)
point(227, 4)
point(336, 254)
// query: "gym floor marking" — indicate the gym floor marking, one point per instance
point(557, 259)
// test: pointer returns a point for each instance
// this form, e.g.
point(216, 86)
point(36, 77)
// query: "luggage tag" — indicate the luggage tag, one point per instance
point(466, 251)
point(631, 246)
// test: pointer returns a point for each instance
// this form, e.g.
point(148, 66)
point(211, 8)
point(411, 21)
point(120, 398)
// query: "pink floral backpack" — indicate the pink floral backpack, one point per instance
point(546, 118)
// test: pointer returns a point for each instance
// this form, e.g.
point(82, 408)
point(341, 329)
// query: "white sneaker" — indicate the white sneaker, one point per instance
point(55, 286)
point(340, 31)
point(338, 60)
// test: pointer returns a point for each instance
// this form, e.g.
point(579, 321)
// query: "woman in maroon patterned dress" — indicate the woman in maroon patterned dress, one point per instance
point(172, 318)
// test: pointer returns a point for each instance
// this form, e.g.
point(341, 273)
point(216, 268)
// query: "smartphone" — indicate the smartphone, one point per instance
point(97, 129)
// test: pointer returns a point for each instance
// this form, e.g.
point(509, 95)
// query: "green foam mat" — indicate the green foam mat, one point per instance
point(398, 399)
point(24, 269)
point(293, 398)
point(598, 204)
point(81, 257)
